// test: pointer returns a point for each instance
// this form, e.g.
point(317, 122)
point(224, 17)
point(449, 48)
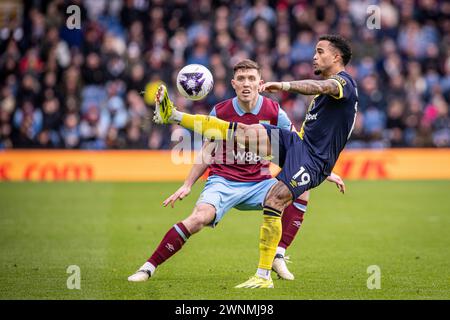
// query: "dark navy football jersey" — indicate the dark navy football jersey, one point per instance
point(329, 121)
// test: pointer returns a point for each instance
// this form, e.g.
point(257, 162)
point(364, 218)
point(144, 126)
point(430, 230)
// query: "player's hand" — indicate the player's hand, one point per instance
point(270, 87)
point(180, 194)
point(338, 180)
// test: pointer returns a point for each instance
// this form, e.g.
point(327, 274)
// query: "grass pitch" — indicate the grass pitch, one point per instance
point(109, 230)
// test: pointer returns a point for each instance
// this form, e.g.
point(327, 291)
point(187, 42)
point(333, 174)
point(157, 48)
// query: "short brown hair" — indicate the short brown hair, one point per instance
point(247, 64)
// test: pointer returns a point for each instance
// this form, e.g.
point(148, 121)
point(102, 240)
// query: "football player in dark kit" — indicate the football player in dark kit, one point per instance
point(306, 157)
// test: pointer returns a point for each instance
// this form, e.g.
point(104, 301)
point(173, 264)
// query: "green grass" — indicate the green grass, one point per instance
point(109, 230)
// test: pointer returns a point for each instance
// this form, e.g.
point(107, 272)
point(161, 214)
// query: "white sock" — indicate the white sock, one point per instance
point(263, 273)
point(281, 251)
point(148, 266)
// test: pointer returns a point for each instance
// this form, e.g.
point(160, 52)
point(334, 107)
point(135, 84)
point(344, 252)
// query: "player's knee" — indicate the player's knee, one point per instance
point(247, 130)
point(278, 197)
point(275, 202)
point(202, 216)
point(243, 127)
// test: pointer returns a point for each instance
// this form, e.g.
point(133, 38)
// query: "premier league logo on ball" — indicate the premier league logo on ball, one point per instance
point(192, 83)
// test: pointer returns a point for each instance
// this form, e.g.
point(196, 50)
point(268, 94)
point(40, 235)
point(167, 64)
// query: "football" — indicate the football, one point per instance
point(194, 81)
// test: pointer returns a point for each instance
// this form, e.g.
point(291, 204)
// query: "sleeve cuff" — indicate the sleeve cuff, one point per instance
point(341, 89)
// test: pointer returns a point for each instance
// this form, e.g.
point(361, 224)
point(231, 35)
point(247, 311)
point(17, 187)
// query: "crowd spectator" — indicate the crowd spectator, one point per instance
point(82, 88)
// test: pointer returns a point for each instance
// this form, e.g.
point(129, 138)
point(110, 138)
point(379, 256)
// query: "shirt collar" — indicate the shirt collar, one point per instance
point(255, 110)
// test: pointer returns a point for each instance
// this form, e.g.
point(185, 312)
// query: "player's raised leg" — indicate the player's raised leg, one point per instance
point(174, 240)
point(211, 127)
point(254, 136)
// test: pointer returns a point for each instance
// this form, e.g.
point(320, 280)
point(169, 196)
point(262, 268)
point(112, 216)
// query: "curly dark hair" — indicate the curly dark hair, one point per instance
point(341, 44)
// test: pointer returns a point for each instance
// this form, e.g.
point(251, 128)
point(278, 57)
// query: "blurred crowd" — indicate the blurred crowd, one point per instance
point(81, 88)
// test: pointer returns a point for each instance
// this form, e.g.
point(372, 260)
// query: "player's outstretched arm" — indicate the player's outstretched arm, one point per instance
point(306, 87)
point(198, 169)
point(338, 180)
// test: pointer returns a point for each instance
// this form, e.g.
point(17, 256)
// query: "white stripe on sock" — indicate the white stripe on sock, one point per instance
point(180, 232)
point(281, 250)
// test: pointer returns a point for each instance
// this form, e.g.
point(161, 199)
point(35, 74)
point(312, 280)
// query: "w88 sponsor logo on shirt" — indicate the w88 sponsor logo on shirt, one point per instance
point(245, 157)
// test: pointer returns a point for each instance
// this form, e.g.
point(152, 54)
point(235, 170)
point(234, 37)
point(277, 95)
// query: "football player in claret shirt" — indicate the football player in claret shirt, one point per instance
point(306, 157)
point(237, 178)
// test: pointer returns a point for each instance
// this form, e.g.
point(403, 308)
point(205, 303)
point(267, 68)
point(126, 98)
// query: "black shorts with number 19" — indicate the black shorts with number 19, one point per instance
point(300, 170)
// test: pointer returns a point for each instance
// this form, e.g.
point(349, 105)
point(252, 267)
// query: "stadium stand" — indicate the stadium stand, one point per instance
point(80, 88)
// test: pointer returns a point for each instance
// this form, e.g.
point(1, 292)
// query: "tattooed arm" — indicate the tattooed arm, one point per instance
point(306, 87)
point(312, 87)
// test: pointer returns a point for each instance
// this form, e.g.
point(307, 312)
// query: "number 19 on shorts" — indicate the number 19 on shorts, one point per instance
point(304, 177)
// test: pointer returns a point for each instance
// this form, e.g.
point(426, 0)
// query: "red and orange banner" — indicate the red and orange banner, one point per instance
point(90, 166)
point(395, 164)
point(30, 165)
